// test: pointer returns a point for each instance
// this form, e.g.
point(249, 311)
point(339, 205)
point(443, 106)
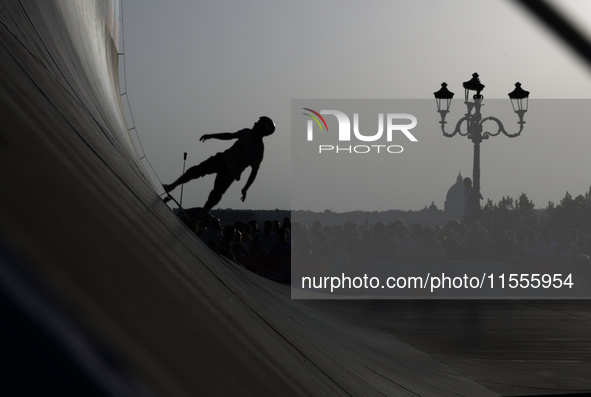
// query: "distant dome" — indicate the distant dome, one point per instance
point(457, 190)
point(454, 200)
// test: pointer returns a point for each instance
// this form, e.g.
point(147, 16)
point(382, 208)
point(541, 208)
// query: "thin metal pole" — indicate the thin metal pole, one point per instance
point(183, 185)
point(476, 178)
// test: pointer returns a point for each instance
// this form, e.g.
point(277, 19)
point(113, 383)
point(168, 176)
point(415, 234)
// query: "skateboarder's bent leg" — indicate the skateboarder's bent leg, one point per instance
point(210, 166)
point(222, 182)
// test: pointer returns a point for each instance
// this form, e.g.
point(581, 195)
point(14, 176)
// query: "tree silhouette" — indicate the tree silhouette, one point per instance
point(508, 213)
point(571, 212)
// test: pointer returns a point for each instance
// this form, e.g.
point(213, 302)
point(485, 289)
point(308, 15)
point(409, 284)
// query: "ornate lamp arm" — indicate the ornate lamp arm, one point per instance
point(458, 129)
point(501, 128)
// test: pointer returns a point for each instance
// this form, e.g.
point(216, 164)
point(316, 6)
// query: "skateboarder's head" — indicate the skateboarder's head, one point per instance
point(265, 125)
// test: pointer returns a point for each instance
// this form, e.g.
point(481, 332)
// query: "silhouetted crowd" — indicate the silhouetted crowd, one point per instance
point(247, 239)
point(454, 241)
point(397, 241)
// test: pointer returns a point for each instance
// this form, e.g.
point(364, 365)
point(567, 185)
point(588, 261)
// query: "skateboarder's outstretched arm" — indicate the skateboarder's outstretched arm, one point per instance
point(224, 136)
point(253, 174)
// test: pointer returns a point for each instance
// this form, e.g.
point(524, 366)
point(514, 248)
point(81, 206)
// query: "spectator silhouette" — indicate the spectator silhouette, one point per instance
point(238, 247)
point(301, 244)
point(405, 245)
point(382, 246)
point(353, 242)
point(213, 234)
point(227, 243)
point(287, 224)
point(256, 248)
point(472, 199)
point(428, 249)
point(321, 244)
point(451, 241)
point(254, 228)
point(282, 247)
point(528, 250)
point(566, 250)
point(268, 236)
point(474, 244)
point(547, 246)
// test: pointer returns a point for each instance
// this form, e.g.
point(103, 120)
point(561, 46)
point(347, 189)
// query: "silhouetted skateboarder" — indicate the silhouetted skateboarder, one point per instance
point(247, 151)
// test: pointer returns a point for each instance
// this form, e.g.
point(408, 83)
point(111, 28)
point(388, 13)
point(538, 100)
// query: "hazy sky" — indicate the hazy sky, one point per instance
point(205, 67)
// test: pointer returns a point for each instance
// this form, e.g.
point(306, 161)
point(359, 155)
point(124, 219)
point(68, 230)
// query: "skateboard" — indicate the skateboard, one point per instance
point(166, 197)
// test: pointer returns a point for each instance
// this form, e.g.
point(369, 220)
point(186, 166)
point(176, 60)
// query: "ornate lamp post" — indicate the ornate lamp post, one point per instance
point(474, 121)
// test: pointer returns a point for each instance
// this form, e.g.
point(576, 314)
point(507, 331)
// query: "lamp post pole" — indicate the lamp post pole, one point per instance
point(475, 123)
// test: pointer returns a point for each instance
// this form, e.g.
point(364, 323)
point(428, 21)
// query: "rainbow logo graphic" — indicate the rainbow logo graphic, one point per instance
point(315, 118)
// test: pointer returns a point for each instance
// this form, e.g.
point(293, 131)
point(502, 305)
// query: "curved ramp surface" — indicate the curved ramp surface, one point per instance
point(81, 224)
